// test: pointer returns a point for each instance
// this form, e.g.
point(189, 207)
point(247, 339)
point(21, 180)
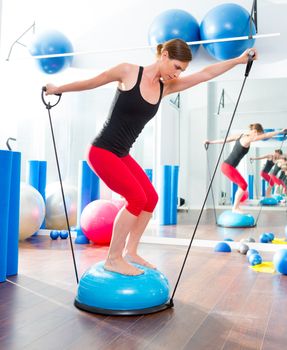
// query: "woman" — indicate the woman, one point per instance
point(240, 149)
point(271, 159)
point(139, 92)
point(281, 165)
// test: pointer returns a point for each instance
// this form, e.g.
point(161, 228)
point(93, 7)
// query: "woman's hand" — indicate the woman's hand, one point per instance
point(51, 90)
point(283, 131)
point(243, 58)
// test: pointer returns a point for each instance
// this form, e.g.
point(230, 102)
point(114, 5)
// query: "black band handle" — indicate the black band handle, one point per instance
point(206, 145)
point(251, 55)
point(8, 143)
point(47, 103)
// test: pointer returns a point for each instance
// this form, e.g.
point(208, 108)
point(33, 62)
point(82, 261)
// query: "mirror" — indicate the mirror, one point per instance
point(205, 112)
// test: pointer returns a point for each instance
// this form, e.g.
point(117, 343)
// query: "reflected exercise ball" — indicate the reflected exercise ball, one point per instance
point(51, 42)
point(55, 212)
point(174, 24)
point(32, 211)
point(226, 21)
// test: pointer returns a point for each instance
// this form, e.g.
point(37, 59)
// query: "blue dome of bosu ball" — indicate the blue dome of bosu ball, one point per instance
point(230, 219)
point(269, 201)
point(109, 293)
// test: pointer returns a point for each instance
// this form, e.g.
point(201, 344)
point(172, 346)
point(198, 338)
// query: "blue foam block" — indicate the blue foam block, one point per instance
point(230, 219)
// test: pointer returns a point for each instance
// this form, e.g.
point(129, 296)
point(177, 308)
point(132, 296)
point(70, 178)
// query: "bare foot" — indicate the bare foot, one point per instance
point(121, 266)
point(238, 211)
point(139, 260)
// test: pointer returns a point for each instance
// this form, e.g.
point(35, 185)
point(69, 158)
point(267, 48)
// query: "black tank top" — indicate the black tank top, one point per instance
point(268, 166)
point(237, 153)
point(276, 170)
point(128, 115)
point(282, 175)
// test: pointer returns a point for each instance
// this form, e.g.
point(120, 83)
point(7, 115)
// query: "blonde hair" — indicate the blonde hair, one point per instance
point(258, 127)
point(177, 50)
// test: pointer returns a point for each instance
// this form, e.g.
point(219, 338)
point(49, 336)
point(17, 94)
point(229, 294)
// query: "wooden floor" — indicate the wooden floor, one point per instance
point(220, 303)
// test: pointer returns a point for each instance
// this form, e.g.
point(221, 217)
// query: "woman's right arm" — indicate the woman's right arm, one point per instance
point(262, 157)
point(116, 73)
point(229, 139)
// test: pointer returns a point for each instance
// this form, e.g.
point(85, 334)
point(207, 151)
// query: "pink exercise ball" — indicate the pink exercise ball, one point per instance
point(97, 221)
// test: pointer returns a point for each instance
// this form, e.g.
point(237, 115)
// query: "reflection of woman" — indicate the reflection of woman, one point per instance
point(137, 99)
point(281, 179)
point(271, 159)
point(240, 149)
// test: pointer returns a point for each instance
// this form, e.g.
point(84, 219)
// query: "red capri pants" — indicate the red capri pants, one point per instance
point(234, 175)
point(276, 180)
point(124, 176)
point(267, 178)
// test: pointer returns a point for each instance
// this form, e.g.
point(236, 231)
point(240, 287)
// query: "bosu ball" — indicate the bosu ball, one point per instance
point(109, 293)
point(230, 219)
point(269, 201)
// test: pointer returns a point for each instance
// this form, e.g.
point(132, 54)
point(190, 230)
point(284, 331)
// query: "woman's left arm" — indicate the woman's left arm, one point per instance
point(268, 135)
point(208, 73)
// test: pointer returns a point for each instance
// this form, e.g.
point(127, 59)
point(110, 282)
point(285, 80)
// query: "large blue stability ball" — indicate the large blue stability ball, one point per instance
point(174, 24)
point(230, 219)
point(280, 261)
point(49, 43)
point(109, 293)
point(226, 21)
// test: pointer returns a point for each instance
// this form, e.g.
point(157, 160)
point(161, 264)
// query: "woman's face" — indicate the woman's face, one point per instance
point(170, 68)
point(256, 132)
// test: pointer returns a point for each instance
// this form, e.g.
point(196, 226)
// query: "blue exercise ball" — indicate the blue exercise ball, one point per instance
point(174, 24)
point(54, 234)
point(226, 21)
point(105, 292)
point(280, 261)
point(230, 219)
point(271, 236)
point(64, 234)
point(264, 238)
point(222, 247)
point(49, 43)
point(255, 259)
point(250, 252)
